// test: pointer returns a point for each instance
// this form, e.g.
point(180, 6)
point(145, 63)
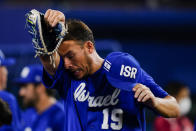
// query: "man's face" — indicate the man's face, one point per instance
point(3, 77)
point(28, 94)
point(76, 58)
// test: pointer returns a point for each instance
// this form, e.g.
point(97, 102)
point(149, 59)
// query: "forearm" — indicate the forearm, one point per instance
point(167, 107)
point(48, 66)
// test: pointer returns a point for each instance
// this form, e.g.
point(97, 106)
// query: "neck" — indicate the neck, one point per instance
point(44, 103)
point(96, 63)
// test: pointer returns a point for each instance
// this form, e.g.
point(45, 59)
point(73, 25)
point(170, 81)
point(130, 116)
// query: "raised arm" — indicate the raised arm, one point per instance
point(52, 17)
point(48, 66)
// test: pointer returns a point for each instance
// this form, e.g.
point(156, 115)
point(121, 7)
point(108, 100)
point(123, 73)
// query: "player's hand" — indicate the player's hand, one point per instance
point(52, 17)
point(144, 95)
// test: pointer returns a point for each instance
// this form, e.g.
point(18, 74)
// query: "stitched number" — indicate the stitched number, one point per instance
point(105, 119)
point(116, 117)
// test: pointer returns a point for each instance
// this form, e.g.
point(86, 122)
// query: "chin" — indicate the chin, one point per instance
point(28, 104)
point(78, 77)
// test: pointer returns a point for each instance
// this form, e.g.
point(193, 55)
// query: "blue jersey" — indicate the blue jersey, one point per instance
point(16, 118)
point(51, 119)
point(104, 100)
point(27, 117)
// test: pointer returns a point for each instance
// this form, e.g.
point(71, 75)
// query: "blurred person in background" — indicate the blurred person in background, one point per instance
point(8, 97)
point(182, 94)
point(49, 115)
point(5, 113)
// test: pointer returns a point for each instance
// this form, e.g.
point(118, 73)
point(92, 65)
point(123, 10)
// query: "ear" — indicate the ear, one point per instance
point(89, 46)
point(40, 88)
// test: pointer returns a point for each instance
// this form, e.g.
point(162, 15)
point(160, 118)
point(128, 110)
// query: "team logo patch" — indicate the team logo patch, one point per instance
point(107, 65)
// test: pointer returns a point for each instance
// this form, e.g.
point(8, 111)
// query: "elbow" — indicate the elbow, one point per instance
point(177, 114)
point(171, 115)
point(175, 111)
point(171, 108)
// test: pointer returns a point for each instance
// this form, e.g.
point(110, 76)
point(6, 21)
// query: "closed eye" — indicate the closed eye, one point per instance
point(70, 55)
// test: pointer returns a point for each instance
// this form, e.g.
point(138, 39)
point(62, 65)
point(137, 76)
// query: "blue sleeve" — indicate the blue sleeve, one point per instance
point(59, 81)
point(52, 81)
point(147, 80)
point(11, 100)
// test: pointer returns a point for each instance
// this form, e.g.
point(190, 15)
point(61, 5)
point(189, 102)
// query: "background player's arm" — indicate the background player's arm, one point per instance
point(166, 106)
point(52, 17)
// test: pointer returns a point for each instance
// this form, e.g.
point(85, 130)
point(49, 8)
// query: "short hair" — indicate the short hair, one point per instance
point(174, 87)
point(5, 113)
point(78, 30)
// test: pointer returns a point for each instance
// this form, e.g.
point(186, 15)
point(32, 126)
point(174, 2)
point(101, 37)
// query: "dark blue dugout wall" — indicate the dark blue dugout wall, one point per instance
point(107, 23)
point(166, 62)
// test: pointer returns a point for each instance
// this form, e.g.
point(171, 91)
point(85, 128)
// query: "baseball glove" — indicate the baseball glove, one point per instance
point(45, 39)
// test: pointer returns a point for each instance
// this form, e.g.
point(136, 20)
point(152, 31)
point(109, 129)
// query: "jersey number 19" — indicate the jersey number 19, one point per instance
point(116, 118)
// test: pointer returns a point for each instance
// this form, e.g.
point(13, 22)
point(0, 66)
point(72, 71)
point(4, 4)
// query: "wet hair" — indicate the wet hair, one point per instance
point(174, 87)
point(5, 113)
point(78, 30)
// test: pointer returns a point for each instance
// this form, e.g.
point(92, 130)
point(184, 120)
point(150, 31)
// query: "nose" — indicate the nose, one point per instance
point(21, 91)
point(67, 63)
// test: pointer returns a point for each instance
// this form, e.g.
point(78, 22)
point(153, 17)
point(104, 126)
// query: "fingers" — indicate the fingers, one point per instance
point(47, 14)
point(142, 93)
point(138, 92)
point(137, 86)
point(52, 17)
point(146, 98)
point(141, 96)
point(56, 20)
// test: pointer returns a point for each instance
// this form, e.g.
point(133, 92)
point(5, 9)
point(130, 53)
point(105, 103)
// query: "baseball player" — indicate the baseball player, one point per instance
point(99, 94)
point(8, 97)
point(49, 113)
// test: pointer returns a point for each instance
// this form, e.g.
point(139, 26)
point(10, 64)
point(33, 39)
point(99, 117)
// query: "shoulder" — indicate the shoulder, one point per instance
point(58, 108)
point(122, 58)
point(122, 70)
point(58, 114)
point(7, 96)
